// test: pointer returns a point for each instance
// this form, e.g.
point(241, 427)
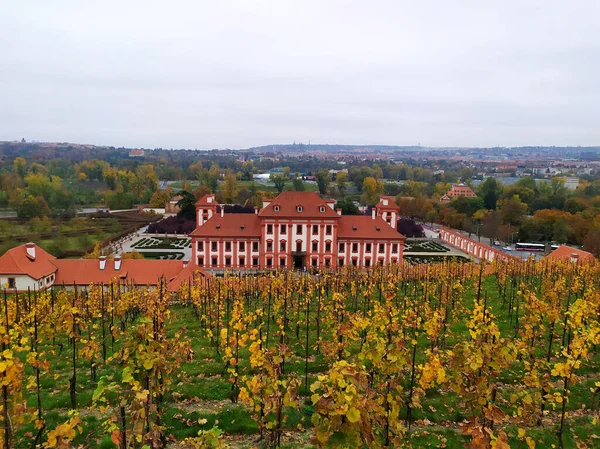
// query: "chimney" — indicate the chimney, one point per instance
point(373, 213)
point(574, 257)
point(339, 211)
point(30, 250)
point(118, 261)
point(256, 210)
point(102, 262)
point(222, 211)
point(186, 262)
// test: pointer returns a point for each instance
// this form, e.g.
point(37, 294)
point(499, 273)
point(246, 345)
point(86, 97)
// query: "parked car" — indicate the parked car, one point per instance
point(507, 248)
point(497, 243)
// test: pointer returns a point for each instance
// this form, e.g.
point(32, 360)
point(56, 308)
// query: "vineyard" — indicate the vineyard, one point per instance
point(441, 355)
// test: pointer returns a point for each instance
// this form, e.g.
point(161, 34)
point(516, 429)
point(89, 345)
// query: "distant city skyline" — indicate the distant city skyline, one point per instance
point(237, 74)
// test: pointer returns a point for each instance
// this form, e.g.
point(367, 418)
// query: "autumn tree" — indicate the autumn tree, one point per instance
point(513, 210)
point(323, 180)
point(340, 180)
point(229, 187)
point(161, 197)
point(372, 190)
point(31, 207)
point(279, 181)
point(19, 165)
point(298, 183)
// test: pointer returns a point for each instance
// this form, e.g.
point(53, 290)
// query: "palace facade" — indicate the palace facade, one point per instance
point(295, 230)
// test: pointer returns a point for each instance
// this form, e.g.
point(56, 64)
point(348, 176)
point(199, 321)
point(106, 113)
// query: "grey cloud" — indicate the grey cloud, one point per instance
point(207, 74)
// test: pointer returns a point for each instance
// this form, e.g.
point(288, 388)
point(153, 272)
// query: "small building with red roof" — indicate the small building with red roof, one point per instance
point(29, 267)
point(570, 254)
point(294, 230)
point(457, 191)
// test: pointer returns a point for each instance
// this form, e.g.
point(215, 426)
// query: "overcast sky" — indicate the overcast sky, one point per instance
point(234, 74)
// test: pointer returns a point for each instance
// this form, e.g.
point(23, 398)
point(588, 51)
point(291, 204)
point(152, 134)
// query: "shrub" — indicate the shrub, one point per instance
point(409, 228)
point(172, 225)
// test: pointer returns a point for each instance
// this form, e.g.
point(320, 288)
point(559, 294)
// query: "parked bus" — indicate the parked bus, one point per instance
point(530, 246)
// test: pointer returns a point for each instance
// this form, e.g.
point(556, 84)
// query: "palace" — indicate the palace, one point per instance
point(294, 230)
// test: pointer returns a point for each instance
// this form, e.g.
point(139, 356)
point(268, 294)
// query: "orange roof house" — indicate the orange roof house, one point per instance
point(458, 190)
point(30, 267)
point(28, 259)
point(568, 253)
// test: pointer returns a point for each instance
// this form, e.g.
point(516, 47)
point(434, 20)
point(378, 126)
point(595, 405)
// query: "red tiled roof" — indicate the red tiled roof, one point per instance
point(17, 261)
point(564, 252)
point(391, 202)
point(230, 225)
point(140, 272)
point(184, 276)
point(461, 190)
point(365, 227)
point(204, 200)
point(288, 203)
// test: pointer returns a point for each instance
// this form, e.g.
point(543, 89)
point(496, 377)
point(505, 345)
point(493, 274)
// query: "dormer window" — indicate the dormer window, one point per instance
point(321, 209)
point(276, 208)
point(298, 208)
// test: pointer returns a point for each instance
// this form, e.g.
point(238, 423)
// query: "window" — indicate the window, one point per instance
point(283, 229)
point(269, 229)
point(255, 246)
point(342, 247)
point(299, 208)
point(327, 262)
point(315, 229)
point(276, 208)
point(327, 247)
point(12, 283)
point(242, 262)
point(299, 229)
point(255, 261)
point(355, 247)
point(214, 261)
point(200, 246)
point(228, 261)
point(394, 248)
point(200, 261)
point(269, 262)
point(328, 230)
point(322, 209)
point(282, 246)
point(298, 247)
point(242, 246)
point(380, 262)
point(368, 248)
point(382, 247)
point(213, 246)
point(341, 263)
point(367, 263)
point(314, 263)
point(354, 262)
point(227, 246)
point(282, 262)
point(269, 246)
point(314, 246)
